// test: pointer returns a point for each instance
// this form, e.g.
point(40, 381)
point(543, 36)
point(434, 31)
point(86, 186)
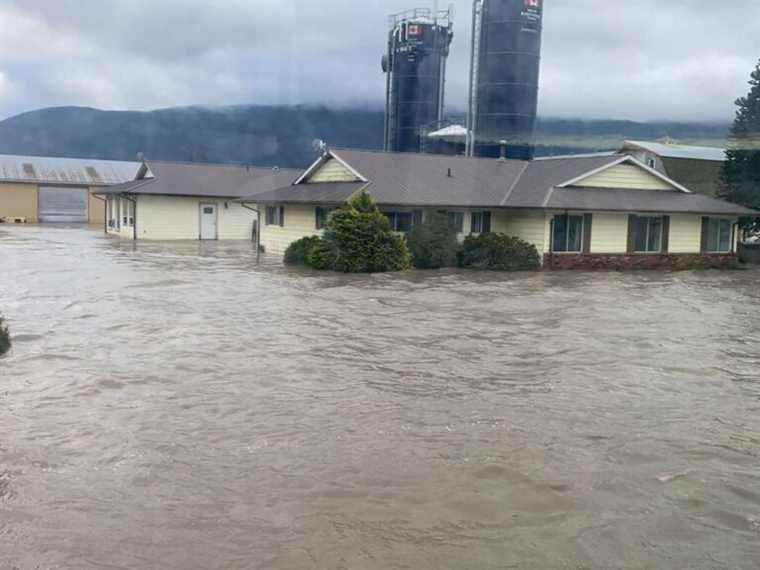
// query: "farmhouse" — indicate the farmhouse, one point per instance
point(607, 210)
point(42, 189)
point(188, 201)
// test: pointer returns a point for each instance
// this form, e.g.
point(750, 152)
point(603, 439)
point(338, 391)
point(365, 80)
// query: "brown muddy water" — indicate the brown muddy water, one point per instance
point(175, 406)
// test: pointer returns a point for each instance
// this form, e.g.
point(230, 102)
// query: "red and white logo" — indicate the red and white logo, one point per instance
point(415, 30)
point(532, 3)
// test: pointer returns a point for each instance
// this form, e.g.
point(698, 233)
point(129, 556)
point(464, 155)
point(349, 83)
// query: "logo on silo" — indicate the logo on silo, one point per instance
point(531, 15)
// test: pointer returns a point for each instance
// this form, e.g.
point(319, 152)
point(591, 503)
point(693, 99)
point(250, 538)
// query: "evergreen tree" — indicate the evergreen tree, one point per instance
point(740, 178)
point(5, 337)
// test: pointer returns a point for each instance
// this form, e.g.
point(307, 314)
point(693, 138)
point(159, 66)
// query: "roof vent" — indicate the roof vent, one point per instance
point(29, 169)
point(92, 173)
point(449, 174)
point(275, 169)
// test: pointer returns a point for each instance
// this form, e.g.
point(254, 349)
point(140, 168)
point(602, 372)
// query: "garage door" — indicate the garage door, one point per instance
point(63, 205)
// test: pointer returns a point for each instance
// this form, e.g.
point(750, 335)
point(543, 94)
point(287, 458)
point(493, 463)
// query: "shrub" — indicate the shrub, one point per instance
point(498, 252)
point(358, 239)
point(298, 251)
point(433, 243)
point(5, 337)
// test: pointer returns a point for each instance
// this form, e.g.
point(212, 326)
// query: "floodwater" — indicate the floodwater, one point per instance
point(176, 406)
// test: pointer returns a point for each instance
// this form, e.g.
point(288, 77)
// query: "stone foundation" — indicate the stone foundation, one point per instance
point(620, 262)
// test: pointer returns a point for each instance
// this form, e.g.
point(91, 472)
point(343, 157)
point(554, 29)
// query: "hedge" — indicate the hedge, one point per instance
point(498, 252)
point(433, 243)
point(5, 337)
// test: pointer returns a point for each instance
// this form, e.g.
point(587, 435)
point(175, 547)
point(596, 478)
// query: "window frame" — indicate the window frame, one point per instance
point(718, 223)
point(648, 251)
point(415, 217)
point(274, 215)
point(482, 220)
point(459, 228)
point(321, 221)
point(581, 241)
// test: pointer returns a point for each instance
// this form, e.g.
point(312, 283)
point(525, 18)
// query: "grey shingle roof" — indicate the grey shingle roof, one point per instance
point(207, 180)
point(326, 192)
point(621, 200)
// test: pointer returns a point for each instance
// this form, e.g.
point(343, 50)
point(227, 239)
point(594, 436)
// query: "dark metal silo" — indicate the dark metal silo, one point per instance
point(415, 65)
point(506, 54)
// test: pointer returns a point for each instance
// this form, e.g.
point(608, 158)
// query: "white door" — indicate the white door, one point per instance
point(63, 204)
point(208, 221)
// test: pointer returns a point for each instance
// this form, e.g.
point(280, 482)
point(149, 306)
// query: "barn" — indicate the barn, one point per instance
point(36, 189)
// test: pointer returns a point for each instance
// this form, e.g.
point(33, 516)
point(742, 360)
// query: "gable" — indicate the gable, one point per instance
point(332, 170)
point(627, 176)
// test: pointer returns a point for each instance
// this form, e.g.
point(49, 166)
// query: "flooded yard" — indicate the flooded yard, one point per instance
point(176, 406)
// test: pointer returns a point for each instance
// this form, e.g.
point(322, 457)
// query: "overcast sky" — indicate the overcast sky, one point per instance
point(637, 59)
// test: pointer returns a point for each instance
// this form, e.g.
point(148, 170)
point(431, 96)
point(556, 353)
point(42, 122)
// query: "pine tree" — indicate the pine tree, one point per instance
point(740, 178)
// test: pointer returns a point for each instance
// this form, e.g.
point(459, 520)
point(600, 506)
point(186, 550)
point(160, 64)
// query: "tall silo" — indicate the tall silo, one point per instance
point(505, 62)
point(415, 66)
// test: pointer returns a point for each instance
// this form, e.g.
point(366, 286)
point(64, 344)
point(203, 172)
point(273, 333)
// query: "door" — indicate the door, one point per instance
point(63, 204)
point(208, 221)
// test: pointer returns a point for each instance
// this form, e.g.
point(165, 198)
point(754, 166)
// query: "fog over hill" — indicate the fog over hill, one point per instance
point(277, 135)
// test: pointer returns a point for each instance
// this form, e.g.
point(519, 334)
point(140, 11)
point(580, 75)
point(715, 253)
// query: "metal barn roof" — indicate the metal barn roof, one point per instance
point(678, 150)
point(69, 171)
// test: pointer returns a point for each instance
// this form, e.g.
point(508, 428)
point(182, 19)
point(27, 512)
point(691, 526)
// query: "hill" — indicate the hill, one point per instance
point(275, 135)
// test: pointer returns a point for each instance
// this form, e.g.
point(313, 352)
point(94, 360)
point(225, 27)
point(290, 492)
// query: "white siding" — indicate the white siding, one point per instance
point(177, 218)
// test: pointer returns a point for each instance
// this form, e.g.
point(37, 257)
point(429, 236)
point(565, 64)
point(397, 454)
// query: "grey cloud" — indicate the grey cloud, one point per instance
point(648, 59)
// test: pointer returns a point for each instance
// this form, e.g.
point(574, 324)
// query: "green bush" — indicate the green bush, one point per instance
point(298, 251)
point(498, 252)
point(5, 337)
point(433, 243)
point(358, 239)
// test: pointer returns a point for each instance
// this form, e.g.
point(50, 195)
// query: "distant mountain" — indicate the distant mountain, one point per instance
point(275, 135)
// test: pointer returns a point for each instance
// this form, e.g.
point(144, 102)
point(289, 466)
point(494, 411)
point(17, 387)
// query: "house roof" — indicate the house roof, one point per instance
point(406, 179)
point(325, 192)
point(206, 180)
point(66, 171)
point(627, 200)
point(678, 150)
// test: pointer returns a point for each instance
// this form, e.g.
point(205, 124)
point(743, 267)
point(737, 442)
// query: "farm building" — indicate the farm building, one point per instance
point(696, 167)
point(42, 189)
point(579, 211)
point(188, 201)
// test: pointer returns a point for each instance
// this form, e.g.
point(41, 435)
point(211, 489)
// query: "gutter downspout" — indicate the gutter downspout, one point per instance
point(134, 217)
point(258, 230)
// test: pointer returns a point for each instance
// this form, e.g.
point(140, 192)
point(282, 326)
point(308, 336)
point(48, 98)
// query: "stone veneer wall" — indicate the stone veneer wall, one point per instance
point(626, 261)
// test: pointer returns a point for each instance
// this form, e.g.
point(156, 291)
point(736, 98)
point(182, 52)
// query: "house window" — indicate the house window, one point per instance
point(481, 222)
point(321, 216)
point(568, 234)
point(648, 234)
point(275, 216)
point(456, 221)
point(651, 162)
point(719, 236)
point(404, 221)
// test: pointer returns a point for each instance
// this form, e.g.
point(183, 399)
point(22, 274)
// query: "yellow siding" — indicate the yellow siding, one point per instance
point(685, 234)
point(609, 233)
point(530, 226)
point(18, 201)
point(300, 221)
point(625, 176)
point(96, 208)
point(332, 171)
